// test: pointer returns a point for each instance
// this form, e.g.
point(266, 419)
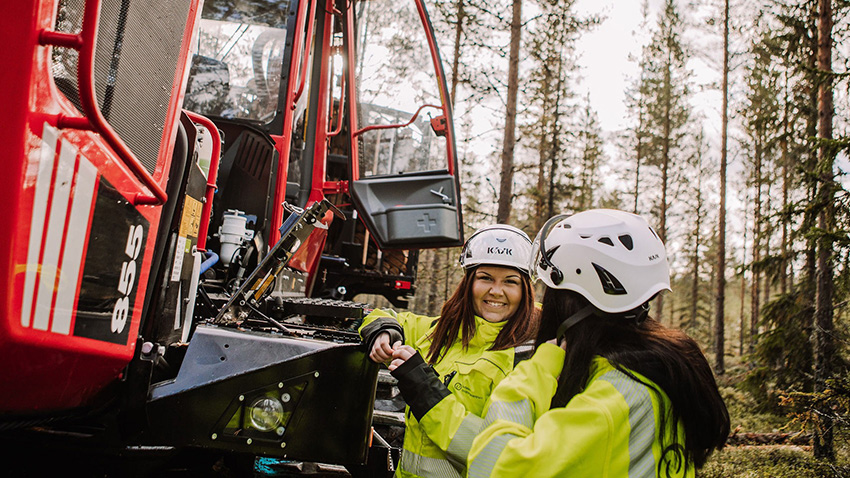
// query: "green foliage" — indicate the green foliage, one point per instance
point(783, 354)
point(743, 415)
point(833, 402)
point(779, 461)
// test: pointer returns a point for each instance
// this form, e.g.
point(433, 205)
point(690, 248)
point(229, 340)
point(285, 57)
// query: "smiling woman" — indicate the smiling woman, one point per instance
point(496, 292)
point(484, 329)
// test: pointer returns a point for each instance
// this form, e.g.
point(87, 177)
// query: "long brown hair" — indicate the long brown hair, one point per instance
point(667, 357)
point(458, 316)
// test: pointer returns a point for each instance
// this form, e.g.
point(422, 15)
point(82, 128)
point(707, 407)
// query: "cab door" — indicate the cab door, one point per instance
point(404, 165)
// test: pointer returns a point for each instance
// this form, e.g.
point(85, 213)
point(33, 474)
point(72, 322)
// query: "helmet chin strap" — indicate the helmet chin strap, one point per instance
point(638, 314)
point(582, 314)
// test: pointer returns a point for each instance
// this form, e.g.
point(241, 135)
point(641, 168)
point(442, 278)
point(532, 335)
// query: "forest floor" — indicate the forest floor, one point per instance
point(766, 445)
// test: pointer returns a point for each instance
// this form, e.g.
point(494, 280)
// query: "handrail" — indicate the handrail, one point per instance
point(305, 55)
point(340, 111)
point(212, 176)
point(84, 42)
point(390, 126)
point(352, 93)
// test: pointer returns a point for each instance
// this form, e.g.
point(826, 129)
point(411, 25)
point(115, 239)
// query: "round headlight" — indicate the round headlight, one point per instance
point(266, 413)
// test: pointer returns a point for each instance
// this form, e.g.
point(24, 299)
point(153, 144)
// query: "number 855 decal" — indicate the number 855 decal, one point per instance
point(127, 279)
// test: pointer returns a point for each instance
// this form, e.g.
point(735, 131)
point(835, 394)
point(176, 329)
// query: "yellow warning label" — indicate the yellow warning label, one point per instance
point(191, 220)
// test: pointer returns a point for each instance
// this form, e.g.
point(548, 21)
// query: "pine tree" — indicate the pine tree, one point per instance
point(666, 81)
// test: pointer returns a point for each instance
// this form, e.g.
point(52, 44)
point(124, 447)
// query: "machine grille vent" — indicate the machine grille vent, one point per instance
point(138, 48)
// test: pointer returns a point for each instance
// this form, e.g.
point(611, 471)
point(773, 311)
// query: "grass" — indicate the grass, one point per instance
point(771, 462)
point(778, 461)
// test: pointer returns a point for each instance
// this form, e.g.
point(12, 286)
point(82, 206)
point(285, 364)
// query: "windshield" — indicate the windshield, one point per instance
point(395, 77)
point(238, 59)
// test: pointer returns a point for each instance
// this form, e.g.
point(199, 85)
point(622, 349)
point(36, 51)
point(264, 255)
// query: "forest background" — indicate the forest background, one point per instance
point(733, 143)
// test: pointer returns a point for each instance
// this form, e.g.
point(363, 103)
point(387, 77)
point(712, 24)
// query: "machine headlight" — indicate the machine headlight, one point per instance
point(266, 413)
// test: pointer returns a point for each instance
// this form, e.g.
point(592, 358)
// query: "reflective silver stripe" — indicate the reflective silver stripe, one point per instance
point(483, 464)
point(514, 412)
point(641, 422)
point(458, 449)
point(426, 466)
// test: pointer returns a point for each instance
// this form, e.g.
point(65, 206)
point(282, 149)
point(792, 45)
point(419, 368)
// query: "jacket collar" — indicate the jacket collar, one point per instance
point(486, 332)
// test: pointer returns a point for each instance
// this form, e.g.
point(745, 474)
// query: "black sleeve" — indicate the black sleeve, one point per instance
point(523, 351)
point(419, 385)
point(370, 332)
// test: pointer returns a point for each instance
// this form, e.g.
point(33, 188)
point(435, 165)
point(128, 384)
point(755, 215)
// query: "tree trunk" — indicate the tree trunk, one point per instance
point(695, 279)
point(756, 276)
point(720, 295)
point(540, 200)
point(783, 144)
point(506, 185)
point(697, 243)
point(765, 247)
point(437, 263)
point(742, 332)
point(460, 17)
point(638, 154)
point(555, 142)
point(824, 342)
point(665, 158)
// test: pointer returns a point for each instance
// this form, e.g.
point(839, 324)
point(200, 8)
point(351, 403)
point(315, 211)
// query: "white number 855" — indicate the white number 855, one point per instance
point(127, 279)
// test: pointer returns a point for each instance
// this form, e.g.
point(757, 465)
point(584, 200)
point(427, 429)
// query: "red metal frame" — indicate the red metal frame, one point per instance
point(85, 43)
point(305, 55)
point(283, 141)
point(49, 370)
point(391, 126)
point(352, 93)
point(320, 150)
point(341, 108)
point(441, 81)
point(212, 177)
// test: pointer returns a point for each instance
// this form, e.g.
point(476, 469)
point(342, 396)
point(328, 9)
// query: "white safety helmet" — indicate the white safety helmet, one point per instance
point(612, 258)
point(498, 245)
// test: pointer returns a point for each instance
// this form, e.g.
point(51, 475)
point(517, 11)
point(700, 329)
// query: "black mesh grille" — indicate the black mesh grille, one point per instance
point(138, 45)
point(254, 156)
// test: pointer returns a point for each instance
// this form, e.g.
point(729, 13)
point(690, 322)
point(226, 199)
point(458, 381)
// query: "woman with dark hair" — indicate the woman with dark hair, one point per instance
point(610, 392)
point(479, 336)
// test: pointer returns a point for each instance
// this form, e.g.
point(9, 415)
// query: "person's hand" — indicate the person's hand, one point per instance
point(400, 355)
point(562, 344)
point(382, 351)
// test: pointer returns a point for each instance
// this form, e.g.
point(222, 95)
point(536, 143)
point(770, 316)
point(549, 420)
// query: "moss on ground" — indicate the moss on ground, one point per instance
point(771, 462)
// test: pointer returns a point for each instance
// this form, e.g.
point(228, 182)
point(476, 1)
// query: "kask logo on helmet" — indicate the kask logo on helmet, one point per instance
point(504, 251)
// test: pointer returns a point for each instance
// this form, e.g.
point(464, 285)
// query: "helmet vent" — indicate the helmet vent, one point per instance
point(626, 240)
point(585, 236)
point(610, 284)
point(606, 240)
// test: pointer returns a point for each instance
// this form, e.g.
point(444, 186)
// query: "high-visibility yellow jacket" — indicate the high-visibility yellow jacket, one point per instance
point(610, 430)
point(439, 423)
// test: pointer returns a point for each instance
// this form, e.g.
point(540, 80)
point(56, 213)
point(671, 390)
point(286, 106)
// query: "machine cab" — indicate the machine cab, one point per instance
point(339, 100)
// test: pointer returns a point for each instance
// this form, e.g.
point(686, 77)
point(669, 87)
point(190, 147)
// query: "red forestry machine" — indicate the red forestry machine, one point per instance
point(195, 192)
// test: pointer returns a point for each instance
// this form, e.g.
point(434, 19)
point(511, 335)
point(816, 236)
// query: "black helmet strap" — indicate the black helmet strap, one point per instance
point(572, 320)
point(555, 274)
point(638, 314)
